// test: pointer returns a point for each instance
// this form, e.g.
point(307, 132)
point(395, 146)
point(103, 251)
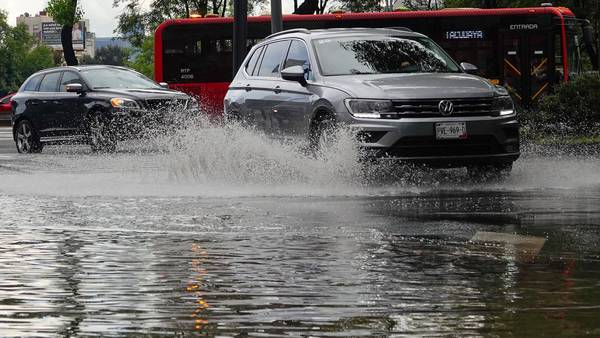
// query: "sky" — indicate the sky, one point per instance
point(102, 16)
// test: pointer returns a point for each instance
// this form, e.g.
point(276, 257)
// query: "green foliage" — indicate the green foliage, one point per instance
point(19, 55)
point(65, 12)
point(573, 107)
point(143, 58)
point(108, 55)
point(135, 23)
point(361, 6)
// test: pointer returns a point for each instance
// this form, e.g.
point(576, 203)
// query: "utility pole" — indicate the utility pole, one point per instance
point(240, 33)
point(276, 16)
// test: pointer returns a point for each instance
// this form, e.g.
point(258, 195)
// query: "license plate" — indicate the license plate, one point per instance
point(451, 131)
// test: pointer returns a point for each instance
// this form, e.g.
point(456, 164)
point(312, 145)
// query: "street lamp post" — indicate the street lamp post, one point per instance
point(276, 16)
point(240, 33)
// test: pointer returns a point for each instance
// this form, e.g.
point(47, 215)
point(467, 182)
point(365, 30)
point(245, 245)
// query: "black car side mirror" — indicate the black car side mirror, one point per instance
point(294, 73)
point(469, 68)
point(74, 88)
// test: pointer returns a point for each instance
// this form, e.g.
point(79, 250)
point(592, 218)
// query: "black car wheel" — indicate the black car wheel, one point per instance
point(26, 138)
point(489, 172)
point(100, 135)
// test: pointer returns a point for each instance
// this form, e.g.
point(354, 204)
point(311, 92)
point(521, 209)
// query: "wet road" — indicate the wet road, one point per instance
point(145, 242)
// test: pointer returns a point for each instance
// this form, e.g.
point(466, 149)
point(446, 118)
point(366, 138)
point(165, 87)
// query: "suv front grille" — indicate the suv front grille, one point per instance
point(161, 104)
point(426, 146)
point(429, 108)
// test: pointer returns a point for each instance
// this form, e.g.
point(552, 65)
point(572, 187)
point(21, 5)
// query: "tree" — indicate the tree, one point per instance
point(112, 55)
point(362, 6)
point(143, 60)
point(136, 23)
point(66, 13)
point(19, 55)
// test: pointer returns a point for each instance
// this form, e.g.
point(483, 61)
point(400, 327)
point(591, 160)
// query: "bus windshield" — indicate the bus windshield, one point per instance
point(381, 55)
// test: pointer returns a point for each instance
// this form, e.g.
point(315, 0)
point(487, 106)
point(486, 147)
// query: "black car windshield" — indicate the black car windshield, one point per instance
point(382, 55)
point(99, 78)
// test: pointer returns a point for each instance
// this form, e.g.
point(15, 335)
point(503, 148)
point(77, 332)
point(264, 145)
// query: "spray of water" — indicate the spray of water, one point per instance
point(233, 154)
point(203, 158)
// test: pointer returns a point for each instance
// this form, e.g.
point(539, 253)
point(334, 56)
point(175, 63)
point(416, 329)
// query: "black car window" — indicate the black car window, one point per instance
point(118, 78)
point(251, 65)
point(269, 66)
point(68, 78)
point(50, 82)
point(297, 56)
point(33, 83)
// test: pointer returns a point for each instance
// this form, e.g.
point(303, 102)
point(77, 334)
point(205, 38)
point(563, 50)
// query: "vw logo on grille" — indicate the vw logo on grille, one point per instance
point(446, 107)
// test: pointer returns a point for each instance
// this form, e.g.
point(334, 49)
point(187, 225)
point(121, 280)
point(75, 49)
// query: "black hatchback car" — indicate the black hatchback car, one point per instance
point(97, 105)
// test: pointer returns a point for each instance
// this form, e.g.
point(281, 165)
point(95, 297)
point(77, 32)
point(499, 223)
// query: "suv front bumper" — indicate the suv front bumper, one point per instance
point(490, 140)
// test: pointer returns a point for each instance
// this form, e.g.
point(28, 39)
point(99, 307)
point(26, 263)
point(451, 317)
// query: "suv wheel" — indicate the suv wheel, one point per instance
point(26, 138)
point(322, 132)
point(489, 172)
point(100, 138)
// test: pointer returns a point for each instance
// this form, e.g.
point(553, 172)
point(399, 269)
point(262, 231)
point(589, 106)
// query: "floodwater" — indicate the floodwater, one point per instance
point(221, 232)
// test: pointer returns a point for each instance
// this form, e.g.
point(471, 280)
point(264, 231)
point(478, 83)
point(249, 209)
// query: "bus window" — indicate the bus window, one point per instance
point(193, 59)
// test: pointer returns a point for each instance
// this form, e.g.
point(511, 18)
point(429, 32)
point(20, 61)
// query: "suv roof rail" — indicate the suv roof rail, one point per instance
point(294, 30)
point(404, 29)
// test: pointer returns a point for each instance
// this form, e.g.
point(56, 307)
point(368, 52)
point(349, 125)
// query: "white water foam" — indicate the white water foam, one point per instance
point(212, 160)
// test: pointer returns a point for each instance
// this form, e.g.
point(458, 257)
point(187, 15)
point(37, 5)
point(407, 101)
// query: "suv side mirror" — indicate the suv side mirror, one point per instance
point(469, 68)
point(74, 88)
point(294, 73)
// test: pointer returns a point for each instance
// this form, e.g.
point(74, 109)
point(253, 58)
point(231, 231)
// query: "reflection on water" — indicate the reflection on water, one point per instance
point(226, 233)
point(365, 266)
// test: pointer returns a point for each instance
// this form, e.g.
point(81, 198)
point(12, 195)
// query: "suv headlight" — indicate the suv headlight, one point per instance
point(504, 105)
point(369, 109)
point(122, 103)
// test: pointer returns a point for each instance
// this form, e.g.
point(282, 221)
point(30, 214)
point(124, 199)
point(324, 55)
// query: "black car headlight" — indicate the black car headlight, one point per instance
point(504, 105)
point(369, 109)
point(122, 103)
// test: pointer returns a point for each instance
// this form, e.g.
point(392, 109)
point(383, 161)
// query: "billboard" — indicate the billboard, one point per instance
point(51, 35)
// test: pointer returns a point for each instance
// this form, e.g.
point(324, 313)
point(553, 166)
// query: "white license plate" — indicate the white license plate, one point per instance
point(451, 131)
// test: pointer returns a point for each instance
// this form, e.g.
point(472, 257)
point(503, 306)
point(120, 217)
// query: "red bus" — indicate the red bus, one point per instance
point(525, 49)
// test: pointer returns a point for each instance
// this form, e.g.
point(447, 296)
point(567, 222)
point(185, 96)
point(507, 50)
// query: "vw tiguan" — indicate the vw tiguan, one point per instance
point(409, 99)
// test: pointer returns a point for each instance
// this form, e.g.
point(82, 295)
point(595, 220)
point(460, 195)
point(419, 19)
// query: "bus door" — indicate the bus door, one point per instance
point(526, 63)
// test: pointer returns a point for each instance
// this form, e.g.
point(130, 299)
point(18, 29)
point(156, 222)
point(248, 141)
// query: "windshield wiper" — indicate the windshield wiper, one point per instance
point(358, 72)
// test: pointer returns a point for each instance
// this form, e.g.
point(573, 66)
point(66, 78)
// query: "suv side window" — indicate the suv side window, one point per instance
point(271, 62)
point(298, 56)
point(68, 78)
point(33, 83)
point(50, 82)
point(251, 65)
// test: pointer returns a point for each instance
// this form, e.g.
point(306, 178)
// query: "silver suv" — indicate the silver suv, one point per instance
point(411, 101)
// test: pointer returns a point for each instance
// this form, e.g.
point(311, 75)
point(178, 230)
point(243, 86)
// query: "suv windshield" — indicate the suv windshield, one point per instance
point(382, 55)
point(99, 78)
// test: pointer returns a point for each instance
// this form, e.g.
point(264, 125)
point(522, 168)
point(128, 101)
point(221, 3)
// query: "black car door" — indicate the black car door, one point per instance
point(46, 115)
point(71, 110)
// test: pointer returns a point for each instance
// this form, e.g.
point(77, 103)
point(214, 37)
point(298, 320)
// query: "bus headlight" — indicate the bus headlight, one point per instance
point(504, 105)
point(122, 103)
point(369, 109)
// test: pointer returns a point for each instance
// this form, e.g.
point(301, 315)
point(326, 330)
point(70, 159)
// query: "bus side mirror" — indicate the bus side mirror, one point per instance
point(294, 73)
point(469, 68)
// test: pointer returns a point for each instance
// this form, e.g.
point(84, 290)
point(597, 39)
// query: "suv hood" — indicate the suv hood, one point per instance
point(412, 86)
